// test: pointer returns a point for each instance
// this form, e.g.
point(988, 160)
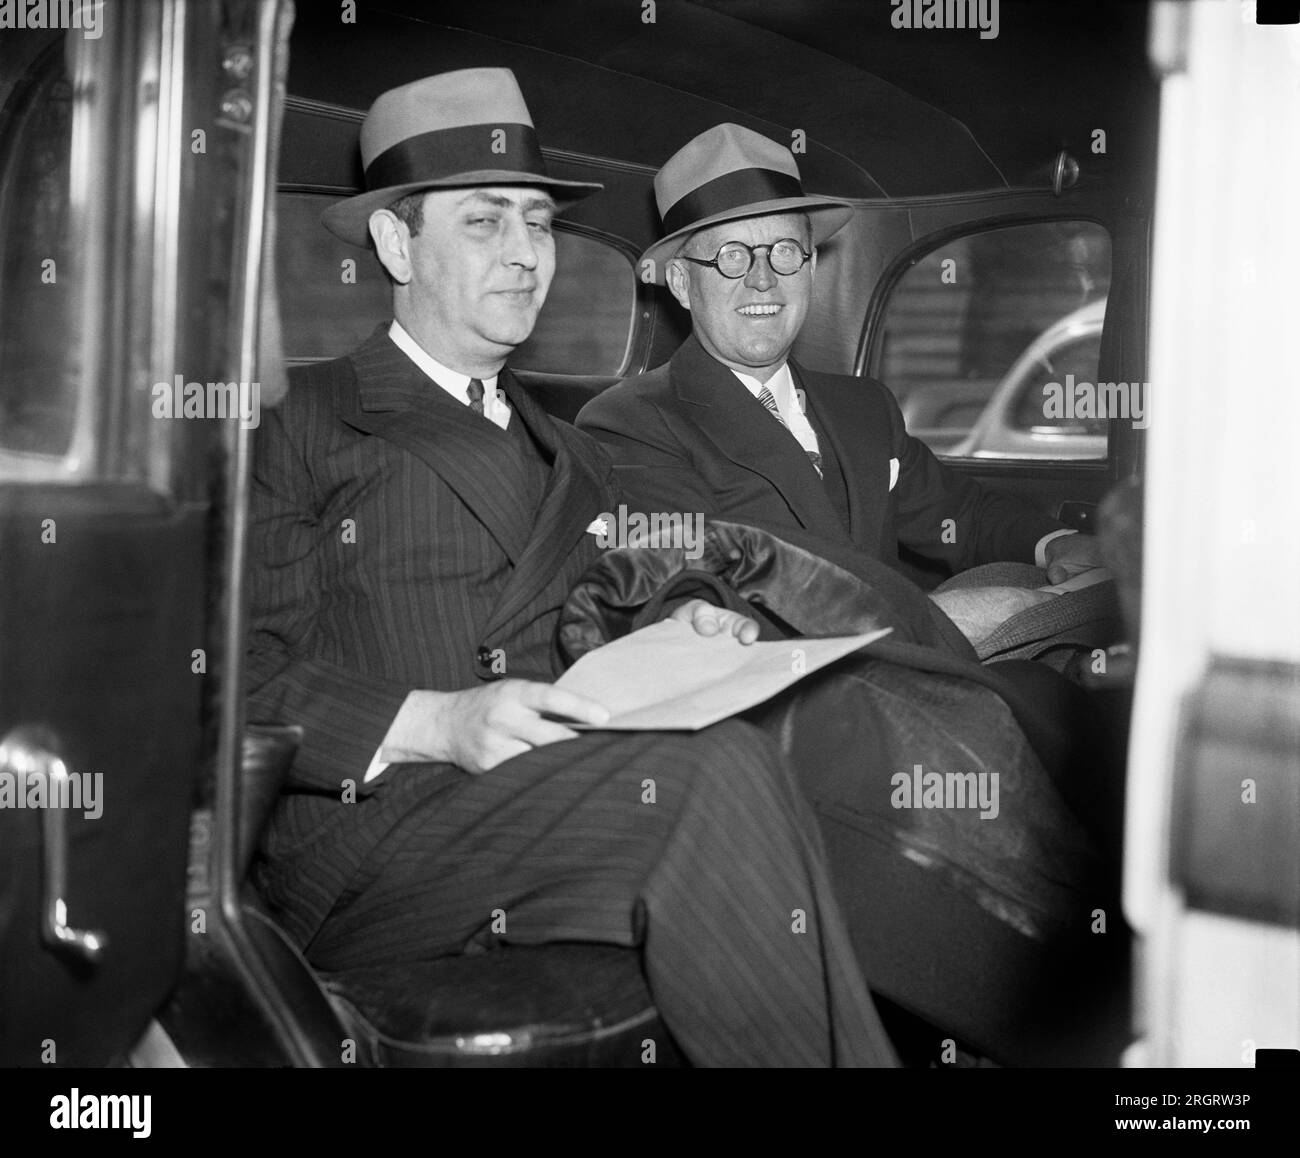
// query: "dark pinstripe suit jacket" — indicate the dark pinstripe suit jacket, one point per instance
point(687, 436)
point(395, 546)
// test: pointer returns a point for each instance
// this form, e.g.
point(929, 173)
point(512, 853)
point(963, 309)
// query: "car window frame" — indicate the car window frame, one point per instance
point(870, 351)
point(637, 342)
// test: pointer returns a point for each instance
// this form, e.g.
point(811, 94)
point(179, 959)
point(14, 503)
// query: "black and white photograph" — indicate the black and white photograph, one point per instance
point(650, 534)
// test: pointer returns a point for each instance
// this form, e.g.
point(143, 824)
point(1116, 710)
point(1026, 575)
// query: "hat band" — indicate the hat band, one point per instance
point(442, 153)
point(732, 190)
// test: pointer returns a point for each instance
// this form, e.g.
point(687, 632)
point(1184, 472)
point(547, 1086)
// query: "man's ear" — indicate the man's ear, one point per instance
point(391, 239)
point(812, 265)
point(679, 282)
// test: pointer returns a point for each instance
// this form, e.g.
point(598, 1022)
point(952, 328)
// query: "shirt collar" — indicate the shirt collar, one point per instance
point(452, 381)
point(781, 384)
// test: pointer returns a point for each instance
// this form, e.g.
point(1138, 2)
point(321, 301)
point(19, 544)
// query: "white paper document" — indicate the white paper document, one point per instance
point(667, 677)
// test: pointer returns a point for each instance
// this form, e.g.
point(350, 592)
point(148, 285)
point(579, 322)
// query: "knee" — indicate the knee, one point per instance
point(741, 738)
point(739, 759)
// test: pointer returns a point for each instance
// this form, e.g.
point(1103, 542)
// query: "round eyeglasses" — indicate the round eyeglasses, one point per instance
point(735, 258)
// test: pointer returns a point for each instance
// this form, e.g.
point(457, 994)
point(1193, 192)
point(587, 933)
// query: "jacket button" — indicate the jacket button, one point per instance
point(485, 659)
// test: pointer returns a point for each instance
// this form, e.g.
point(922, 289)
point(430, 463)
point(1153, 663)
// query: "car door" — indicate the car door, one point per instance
point(124, 153)
point(969, 283)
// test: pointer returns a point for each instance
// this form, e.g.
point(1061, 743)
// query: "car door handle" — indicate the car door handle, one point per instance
point(1079, 515)
point(26, 752)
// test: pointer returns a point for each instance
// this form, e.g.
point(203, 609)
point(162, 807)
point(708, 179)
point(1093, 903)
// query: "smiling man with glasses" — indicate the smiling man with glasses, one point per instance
point(734, 428)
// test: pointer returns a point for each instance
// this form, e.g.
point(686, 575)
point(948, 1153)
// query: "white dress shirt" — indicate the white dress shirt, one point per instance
point(495, 408)
point(787, 402)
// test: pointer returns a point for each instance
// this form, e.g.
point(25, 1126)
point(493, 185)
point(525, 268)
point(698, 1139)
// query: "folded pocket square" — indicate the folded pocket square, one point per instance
point(893, 473)
point(598, 527)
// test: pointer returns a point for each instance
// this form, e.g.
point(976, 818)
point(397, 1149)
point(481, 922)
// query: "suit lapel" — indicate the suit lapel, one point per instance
point(737, 424)
point(393, 399)
point(844, 416)
point(573, 497)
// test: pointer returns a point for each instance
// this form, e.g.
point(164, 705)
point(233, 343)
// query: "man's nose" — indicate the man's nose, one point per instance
point(518, 247)
point(760, 275)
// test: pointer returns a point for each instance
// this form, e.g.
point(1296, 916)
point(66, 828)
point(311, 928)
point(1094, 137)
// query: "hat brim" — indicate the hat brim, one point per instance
point(349, 219)
point(826, 216)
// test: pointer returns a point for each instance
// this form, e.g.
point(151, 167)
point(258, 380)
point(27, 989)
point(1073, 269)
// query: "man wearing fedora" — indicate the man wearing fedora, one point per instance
point(417, 522)
point(733, 427)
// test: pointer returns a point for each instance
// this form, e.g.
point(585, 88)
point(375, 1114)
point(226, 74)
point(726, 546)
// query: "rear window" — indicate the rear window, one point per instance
point(328, 307)
point(990, 342)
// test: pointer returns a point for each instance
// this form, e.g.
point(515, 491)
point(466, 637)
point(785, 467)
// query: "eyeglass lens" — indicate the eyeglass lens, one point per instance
point(735, 258)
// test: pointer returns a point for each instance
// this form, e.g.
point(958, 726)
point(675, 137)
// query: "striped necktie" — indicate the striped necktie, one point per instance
point(768, 399)
point(475, 389)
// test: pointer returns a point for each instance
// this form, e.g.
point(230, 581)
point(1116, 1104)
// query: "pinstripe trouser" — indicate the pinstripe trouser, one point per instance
point(698, 847)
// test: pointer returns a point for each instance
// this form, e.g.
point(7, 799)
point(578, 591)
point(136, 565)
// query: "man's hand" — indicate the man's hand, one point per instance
point(480, 728)
point(710, 620)
point(1070, 554)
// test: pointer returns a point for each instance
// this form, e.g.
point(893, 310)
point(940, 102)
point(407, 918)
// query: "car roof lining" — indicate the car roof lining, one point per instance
point(604, 94)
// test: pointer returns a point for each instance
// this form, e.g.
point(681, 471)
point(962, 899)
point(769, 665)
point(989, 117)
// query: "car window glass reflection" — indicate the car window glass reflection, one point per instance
point(973, 330)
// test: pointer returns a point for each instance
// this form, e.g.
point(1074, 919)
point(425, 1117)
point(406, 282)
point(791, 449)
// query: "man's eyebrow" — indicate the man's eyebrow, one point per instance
point(542, 202)
point(493, 199)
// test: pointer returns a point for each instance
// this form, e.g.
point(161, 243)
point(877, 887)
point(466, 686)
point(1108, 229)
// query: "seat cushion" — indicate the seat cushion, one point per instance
point(546, 1005)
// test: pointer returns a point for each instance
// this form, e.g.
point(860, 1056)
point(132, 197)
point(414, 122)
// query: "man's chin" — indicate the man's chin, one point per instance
point(765, 354)
point(512, 333)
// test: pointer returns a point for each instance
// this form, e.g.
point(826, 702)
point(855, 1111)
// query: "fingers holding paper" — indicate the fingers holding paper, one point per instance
point(479, 728)
point(709, 620)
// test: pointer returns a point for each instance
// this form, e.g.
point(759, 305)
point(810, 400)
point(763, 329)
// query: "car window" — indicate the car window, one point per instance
point(39, 404)
point(333, 295)
point(586, 325)
point(976, 329)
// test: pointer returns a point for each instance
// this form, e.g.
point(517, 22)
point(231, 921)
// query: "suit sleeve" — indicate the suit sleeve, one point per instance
point(344, 714)
point(943, 514)
point(653, 469)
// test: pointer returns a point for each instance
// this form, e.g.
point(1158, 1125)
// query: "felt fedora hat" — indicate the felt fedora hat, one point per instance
point(456, 129)
point(728, 172)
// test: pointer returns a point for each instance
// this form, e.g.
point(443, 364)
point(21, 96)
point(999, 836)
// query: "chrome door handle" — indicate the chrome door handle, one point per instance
point(29, 751)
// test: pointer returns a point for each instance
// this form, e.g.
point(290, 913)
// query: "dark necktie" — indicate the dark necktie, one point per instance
point(768, 399)
point(475, 395)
